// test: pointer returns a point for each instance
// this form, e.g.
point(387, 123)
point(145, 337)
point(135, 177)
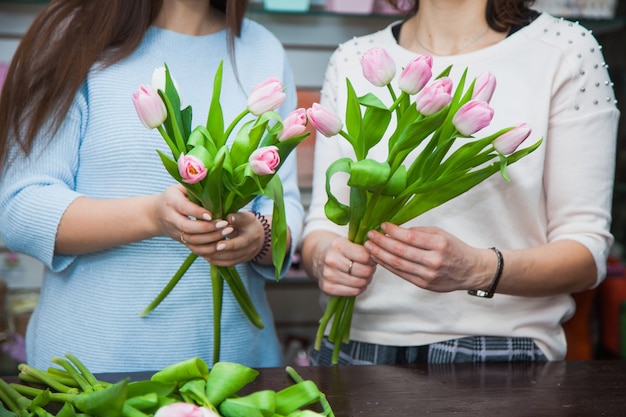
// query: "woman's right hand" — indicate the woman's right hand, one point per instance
point(341, 267)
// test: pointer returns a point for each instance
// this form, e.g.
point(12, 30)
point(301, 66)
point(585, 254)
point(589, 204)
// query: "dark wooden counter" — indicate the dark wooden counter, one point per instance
point(573, 388)
point(568, 388)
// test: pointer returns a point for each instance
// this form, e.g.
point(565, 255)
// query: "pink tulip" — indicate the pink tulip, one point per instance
point(266, 96)
point(191, 169)
point(416, 74)
point(434, 97)
point(264, 161)
point(293, 125)
point(184, 410)
point(324, 121)
point(508, 142)
point(149, 106)
point(484, 86)
point(378, 66)
point(472, 117)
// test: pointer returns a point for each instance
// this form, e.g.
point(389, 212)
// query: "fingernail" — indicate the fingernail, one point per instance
point(221, 224)
point(227, 231)
point(207, 217)
point(220, 247)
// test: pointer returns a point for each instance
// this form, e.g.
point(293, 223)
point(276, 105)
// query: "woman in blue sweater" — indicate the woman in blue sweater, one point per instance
point(84, 191)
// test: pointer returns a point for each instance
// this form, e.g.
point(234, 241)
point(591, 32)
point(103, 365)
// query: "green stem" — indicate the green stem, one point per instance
point(331, 309)
point(170, 285)
point(85, 372)
point(32, 392)
point(69, 368)
point(170, 143)
point(234, 123)
point(218, 290)
point(45, 378)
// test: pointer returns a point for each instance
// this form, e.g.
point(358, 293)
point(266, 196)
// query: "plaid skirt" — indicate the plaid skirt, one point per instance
point(472, 349)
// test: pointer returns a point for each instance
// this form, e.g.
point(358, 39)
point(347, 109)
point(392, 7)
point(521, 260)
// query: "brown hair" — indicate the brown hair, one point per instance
point(500, 14)
point(50, 64)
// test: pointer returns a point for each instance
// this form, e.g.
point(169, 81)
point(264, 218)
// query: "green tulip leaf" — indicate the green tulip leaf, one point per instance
point(335, 211)
point(258, 404)
point(176, 373)
point(107, 402)
point(354, 120)
point(296, 396)
point(368, 174)
point(215, 117)
point(200, 136)
point(226, 379)
point(397, 183)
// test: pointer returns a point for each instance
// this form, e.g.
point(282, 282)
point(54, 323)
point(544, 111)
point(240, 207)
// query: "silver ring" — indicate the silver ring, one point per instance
point(350, 268)
point(182, 238)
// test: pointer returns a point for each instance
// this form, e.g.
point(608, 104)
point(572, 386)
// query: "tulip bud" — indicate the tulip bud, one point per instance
point(472, 117)
point(149, 106)
point(484, 86)
point(191, 169)
point(264, 161)
point(416, 74)
point(434, 97)
point(158, 80)
point(508, 142)
point(184, 410)
point(324, 121)
point(378, 66)
point(266, 96)
point(293, 125)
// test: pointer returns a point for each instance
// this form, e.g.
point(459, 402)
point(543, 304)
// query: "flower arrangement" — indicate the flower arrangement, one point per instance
point(184, 389)
point(223, 177)
point(431, 119)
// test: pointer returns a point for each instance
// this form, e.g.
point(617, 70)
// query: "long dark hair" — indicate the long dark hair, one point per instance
point(501, 14)
point(64, 41)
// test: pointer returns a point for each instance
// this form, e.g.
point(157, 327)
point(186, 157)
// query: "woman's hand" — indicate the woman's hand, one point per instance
point(431, 258)
point(341, 267)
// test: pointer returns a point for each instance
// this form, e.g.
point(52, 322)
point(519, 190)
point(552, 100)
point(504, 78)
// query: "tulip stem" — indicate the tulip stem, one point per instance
point(170, 285)
point(234, 123)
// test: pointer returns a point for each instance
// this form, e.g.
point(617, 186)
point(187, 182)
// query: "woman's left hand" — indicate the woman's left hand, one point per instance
point(431, 258)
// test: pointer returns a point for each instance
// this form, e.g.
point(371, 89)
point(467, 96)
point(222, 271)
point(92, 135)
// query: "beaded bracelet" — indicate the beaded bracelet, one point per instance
point(267, 240)
point(492, 288)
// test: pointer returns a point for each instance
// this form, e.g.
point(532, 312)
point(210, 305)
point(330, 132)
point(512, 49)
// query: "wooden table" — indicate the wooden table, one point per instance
point(568, 388)
point(555, 389)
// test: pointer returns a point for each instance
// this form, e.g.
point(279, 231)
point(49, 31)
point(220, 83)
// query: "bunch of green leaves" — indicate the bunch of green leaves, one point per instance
point(71, 390)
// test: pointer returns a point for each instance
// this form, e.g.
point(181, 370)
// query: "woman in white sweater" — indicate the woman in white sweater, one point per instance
point(416, 283)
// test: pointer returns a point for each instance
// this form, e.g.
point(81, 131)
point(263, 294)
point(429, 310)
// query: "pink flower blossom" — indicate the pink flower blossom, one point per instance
point(416, 74)
point(191, 169)
point(325, 121)
point(184, 410)
point(472, 117)
point(508, 142)
point(264, 161)
point(434, 97)
point(484, 86)
point(149, 106)
point(266, 96)
point(378, 66)
point(293, 125)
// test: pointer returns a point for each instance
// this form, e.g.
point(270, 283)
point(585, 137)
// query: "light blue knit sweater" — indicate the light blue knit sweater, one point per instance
point(90, 305)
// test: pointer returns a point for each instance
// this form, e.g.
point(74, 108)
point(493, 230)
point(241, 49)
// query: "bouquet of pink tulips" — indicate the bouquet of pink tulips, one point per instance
point(223, 178)
point(430, 117)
